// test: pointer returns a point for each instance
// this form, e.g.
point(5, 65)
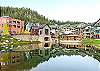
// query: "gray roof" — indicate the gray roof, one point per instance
point(40, 26)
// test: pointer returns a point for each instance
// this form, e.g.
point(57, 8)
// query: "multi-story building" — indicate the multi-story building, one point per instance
point(10, 26)
point(42, 32)
point(89, 32)
point(70, 38)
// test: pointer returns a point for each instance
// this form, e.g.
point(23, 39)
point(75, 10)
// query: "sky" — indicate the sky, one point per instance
point(63, 10)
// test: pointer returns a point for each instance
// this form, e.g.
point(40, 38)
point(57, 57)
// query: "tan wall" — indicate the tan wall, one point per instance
point(71, 37)
point(30, 38)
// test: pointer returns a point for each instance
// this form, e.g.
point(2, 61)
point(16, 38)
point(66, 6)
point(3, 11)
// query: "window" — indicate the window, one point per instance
point(40, 32)
point(14, 26)
point(75, 38)
point(46, 31)
point(98, 23)
point(87, 30)
point(18, 22)
point(2, 25)
point(46, 45)
point(14, 22)
point(97, 31)
point(46, 38)
point(18, 26)
point(10, 25)
point(14, 32)
point(36, 33)
point(62, 36)
point(10, 21)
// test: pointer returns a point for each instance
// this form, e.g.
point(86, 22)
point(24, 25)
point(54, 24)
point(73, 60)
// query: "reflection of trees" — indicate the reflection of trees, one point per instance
point(26, 65)
point(33, 58)
point(44, 56)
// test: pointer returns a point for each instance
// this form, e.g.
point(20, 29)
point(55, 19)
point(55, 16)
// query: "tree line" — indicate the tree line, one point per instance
point(28, 15)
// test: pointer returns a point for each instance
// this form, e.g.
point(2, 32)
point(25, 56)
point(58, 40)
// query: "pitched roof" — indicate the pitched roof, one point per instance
point(40, 26)
point(98, 21)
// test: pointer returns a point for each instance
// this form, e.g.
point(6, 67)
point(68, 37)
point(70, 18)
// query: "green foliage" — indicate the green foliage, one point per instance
point(93, 42)
point(28, 15)
point(87, 41)
point(25, 14)
point(5, 29)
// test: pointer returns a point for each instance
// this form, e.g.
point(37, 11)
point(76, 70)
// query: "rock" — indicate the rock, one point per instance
point(3, 37)
point(7, 41)
point(4, 43)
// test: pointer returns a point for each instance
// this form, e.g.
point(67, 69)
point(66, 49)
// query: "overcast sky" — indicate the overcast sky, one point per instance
point(63, 10)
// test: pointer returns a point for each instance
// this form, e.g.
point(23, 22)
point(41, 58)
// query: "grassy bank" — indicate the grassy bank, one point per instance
point(93, 42)
point(97, 43)
point(9, 41)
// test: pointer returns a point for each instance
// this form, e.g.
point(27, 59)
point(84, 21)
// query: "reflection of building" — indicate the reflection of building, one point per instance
point(72, 45)
point(42, 52)
point(41, 45)
point(10, 25)
point(15, 57)
point(19, 61)
point(9, 58)
point(30, 47)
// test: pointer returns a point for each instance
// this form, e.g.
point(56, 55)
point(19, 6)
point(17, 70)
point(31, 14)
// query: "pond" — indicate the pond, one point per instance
point(55, 58)
point(68, 63)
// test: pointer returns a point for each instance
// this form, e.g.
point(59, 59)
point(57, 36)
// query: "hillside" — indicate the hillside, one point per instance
point(25, 14)
point(28, 15)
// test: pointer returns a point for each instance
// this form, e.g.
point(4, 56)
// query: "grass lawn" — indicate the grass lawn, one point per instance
point(96, 43)
point(8, 41)
point(88, 41)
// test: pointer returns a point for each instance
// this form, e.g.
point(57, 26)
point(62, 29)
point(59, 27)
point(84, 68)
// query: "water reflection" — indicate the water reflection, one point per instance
point(69, 63)
point(13, 61)
point(72, 45)
point(32, 47)
point(49, 59)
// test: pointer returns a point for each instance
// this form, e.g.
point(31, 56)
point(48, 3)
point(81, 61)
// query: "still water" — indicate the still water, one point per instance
point(68, 63)
point(48, 59)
